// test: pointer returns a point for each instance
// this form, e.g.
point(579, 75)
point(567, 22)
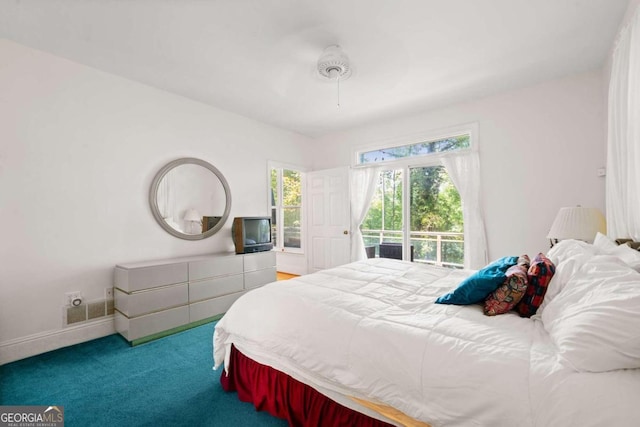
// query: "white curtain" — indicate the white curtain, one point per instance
point(623, 142)
point(464, 170)
point(363, 185)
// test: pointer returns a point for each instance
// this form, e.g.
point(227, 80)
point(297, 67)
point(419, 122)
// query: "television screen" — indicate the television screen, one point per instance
point(251, 234)
point(257, 231)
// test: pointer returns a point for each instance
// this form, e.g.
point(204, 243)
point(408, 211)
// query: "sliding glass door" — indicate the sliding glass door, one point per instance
point(416, 215)
point(385, 219)
point(435, 217)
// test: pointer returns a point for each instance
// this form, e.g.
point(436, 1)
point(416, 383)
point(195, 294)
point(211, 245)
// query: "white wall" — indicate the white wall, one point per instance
point(540, 148)
point(78, 151)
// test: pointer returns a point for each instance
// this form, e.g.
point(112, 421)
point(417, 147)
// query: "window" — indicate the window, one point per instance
point(416, 211)
point(452, 143)
point(426, 218)
point(286, 207)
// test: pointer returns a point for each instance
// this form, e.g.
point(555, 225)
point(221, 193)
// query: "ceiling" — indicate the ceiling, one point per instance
point(257, 58)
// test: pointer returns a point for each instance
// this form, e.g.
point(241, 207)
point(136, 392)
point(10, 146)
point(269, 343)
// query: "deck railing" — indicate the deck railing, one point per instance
point(438, 248)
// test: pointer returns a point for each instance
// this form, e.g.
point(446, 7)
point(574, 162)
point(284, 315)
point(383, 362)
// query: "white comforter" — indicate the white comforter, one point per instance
point(371, 330)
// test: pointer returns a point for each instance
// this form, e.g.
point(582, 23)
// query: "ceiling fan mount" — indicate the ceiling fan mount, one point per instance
point(333, 64)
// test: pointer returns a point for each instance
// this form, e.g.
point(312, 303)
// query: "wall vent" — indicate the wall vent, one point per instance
point(96, 309)
point(110, 307)
point(88, 311)
point(76, 314)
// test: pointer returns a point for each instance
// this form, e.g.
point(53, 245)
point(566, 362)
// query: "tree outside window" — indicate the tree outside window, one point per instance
point(286, 207)
point(435, 226)
point(436, 217)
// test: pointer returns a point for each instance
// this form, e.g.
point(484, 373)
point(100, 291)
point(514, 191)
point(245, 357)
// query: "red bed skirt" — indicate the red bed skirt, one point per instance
point(284, 397)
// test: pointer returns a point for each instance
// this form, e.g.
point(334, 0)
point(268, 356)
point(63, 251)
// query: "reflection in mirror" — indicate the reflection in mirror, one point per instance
point(190, 199)
point(186, 193)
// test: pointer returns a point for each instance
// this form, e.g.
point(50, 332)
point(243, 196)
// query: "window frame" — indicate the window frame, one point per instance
point(433, 158)
point(279, 207)
point(406, 163)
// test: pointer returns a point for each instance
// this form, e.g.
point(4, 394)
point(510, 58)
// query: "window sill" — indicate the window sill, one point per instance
point(293, 251)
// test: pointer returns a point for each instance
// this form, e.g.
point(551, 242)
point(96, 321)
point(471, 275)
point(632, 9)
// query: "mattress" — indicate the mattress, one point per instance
point(370, 330)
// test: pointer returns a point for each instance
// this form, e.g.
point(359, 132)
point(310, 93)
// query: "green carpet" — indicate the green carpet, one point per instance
point(106, 382)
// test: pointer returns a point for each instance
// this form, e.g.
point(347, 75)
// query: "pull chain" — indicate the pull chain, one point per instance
point(333, 64)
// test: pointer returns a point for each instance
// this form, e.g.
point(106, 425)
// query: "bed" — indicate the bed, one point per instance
point(364, 344)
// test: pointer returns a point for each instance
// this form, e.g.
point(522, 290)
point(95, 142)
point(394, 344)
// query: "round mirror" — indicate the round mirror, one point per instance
point(190, 199)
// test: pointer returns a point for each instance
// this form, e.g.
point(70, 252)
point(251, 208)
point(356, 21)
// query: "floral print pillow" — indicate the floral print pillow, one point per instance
point(510, 292)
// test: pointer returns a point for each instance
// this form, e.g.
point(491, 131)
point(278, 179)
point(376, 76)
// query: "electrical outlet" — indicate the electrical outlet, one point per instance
point(71, 296)
point(108, 293)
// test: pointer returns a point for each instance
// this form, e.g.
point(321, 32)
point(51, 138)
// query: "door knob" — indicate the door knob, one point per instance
point(345, 232)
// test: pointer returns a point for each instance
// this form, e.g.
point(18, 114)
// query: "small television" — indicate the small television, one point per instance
point(251, 234)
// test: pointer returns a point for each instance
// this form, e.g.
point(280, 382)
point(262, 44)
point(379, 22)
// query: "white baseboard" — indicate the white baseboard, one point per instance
point(23, 347)
point(292, 263)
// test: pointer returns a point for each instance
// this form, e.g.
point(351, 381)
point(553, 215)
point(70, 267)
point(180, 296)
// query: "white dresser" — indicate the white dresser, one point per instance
point(157, 298)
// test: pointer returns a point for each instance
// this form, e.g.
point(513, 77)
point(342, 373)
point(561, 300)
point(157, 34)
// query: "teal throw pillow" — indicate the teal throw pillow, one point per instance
point(475, 288)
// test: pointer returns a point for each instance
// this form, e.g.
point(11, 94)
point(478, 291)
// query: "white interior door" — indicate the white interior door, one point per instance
point(328, 218)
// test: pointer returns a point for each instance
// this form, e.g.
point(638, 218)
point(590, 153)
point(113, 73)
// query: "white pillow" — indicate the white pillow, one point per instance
point(628, 255)
point(604, 243)
point(568, 256)
point(606, 246)
point(567, 248)
point(564, 272)
point(595, 320)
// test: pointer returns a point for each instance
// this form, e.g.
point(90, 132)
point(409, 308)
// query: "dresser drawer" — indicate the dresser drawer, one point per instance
point(212, 307)
point(211, 288)
point(260, 260)
point(143, 326)
point(139, 278)
point(253, 279)
point(153, 298)
point(212, 267)
point(143, 302)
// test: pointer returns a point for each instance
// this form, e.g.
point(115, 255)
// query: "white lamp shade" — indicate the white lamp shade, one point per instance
point(577, 223)
point(192, 215)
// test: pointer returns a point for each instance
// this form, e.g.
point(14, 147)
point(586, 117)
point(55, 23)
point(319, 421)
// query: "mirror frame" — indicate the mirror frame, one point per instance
point(153, 198)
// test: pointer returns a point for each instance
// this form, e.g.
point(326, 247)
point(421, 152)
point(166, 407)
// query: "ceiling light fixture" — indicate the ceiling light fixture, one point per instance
point(333, 64)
